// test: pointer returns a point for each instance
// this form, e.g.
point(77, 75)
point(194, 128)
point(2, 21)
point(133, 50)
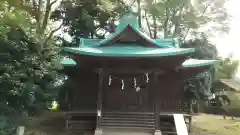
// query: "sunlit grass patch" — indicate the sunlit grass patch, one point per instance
point(216, 124)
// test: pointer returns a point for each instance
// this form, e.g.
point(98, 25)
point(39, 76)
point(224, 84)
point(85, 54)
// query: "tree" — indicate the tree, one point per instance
point(204, 49)
point(227, 68)
point(201, 84)
point(89, 18)
point(199, 87)
point(38, 12)
point(171, 18)
point(164, 18)
point(29, 62)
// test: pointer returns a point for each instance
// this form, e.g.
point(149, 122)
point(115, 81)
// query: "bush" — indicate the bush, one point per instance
point(6, 126)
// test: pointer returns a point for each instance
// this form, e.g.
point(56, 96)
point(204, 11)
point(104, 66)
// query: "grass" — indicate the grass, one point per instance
point(215, 125)
point(49, 123)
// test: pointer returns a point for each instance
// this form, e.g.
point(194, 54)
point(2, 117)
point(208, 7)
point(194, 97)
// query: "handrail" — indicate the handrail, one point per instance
point(180, 124)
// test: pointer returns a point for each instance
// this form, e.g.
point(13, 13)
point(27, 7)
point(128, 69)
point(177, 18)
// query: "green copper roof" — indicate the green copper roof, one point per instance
point(168, 42)
point(163, 47)
point(133, 28)
point(130, 41)
point(128, 51)
point(68, 62)
point(163, 43)
point(128, 21)
point(129, 18)
point(198, 63)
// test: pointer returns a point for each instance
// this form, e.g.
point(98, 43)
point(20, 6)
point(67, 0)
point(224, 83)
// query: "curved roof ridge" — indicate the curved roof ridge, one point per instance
point(142, 34)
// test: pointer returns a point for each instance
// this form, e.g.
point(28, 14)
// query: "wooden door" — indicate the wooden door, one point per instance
point(126, 100)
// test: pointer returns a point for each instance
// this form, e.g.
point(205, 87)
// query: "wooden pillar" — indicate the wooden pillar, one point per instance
point(98, 130)
point(156, 106)
point(190, 118)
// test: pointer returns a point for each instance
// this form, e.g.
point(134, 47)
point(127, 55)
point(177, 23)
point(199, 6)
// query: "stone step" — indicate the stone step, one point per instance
point(126, 132)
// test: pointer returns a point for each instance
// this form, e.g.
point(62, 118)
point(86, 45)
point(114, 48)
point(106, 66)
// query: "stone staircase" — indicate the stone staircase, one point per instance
point(128, 120)
point(113, 131)
point(167, 125)
point(125, 123)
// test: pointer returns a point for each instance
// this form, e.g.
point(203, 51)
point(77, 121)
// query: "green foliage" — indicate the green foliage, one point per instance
point(181, 18)
point(227, 68)
point(8, 123)
point(203, 48)
point(86, 18)
point(28, 65)
point(25, 73)
point(165, 18)
point(200, 86)
point(6, 128)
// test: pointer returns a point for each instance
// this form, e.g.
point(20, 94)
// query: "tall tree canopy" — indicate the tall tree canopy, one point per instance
point(227, 68)
point(29, 60)
point(29, 56)
point(182, 18)
point(87, 18)
point(161, 18)
point(200, 86)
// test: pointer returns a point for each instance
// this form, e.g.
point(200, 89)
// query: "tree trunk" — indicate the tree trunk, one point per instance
point(139, 13)
point(165, 24)
point(175, 19)
point(148, 25)
point(185, 36)
point(46, 17)
point(155, 27)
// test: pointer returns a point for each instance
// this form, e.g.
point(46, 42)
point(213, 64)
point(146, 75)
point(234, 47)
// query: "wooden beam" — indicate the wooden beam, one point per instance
point(132, 71)
point(156, 103)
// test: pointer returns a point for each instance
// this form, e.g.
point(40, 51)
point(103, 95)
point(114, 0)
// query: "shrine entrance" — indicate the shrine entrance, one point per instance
point(127, 94)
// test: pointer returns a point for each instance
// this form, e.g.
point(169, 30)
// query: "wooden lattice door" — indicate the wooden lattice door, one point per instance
point(127, 99)
point(169, 93)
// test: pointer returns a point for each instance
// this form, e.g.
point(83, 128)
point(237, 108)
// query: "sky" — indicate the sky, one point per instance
point(230, 43)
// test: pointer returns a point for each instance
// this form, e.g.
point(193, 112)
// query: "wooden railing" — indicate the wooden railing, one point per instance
point(81, 121)
point(170, 123)
point(180, 124)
